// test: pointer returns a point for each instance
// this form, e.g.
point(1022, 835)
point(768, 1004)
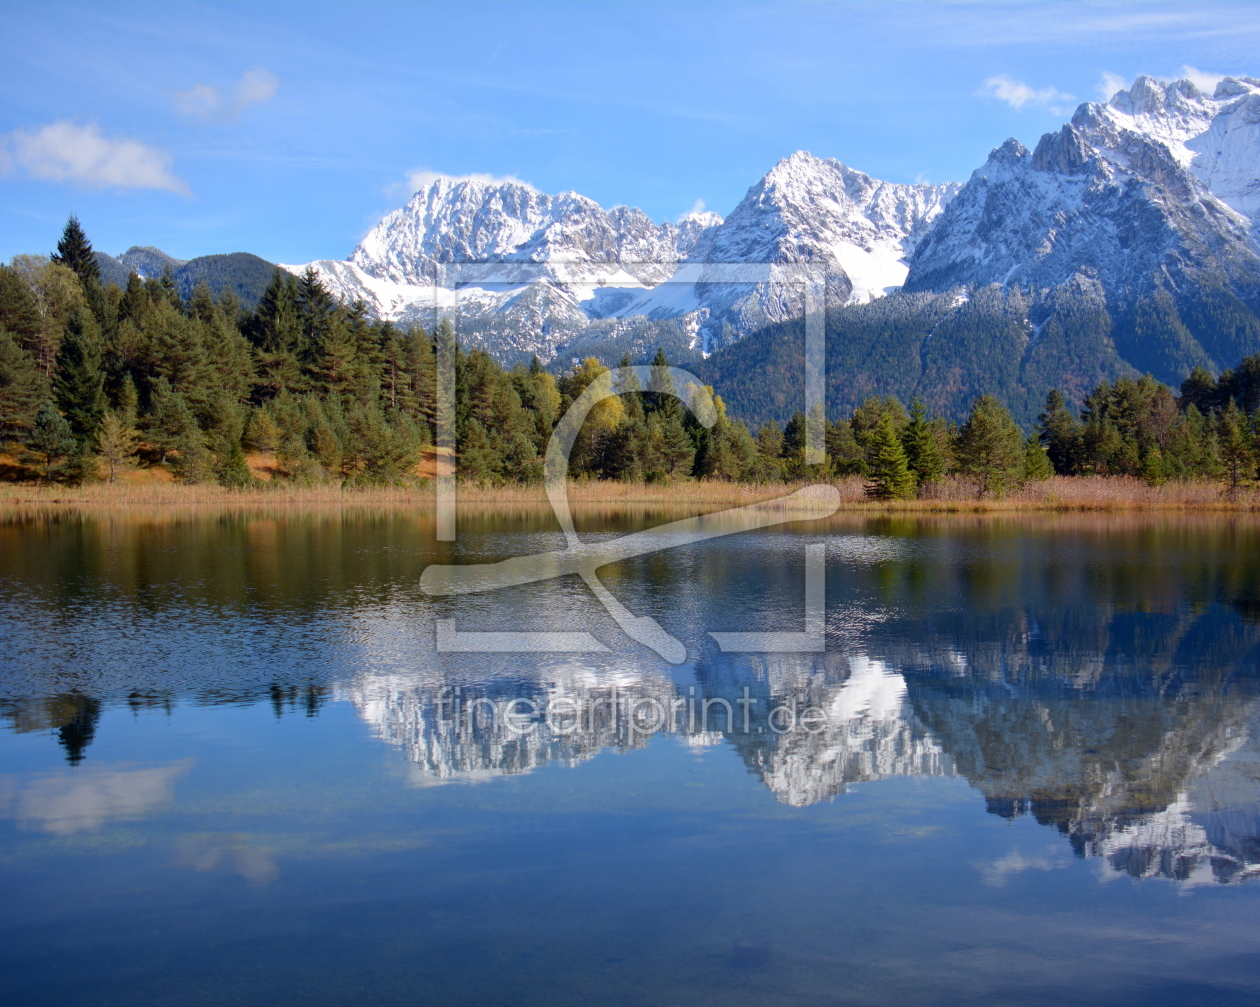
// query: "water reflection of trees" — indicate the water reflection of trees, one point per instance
point(1098, 678)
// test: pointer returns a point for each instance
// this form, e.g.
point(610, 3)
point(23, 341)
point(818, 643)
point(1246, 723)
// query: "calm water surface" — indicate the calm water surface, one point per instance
point(236, 770)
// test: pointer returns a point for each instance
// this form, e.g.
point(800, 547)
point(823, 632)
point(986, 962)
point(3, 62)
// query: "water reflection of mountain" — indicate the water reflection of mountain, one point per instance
point(1127, 731)
point(1134, 734)
point(853, 722)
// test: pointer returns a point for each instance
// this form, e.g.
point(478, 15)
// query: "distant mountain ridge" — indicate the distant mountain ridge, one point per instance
point(1127, 241)
point(246, 275)
point(479, 244)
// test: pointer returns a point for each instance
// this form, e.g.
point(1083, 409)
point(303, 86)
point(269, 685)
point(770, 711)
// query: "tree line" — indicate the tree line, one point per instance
point(96, 378)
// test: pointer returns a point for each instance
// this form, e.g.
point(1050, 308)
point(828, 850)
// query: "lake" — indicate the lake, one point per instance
point(236, 768)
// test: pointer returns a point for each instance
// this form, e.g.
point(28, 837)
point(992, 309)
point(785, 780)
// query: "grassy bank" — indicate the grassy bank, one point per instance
point(1060, 494)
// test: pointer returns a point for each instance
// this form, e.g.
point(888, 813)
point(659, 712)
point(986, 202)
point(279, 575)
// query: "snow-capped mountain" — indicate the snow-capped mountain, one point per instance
point(1151, 190)
point(488, 245)
point(1136, 225)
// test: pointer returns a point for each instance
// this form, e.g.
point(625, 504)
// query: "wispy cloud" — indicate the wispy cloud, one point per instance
point(82, 155)
point(1019, 95)
point(207, 102)
point(996, 873)
point(1109, 83)
point(422, 178)
point(1201, 79)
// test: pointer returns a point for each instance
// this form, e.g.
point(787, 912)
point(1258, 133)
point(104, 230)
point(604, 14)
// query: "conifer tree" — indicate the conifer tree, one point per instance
point(50, 437)
point(261, 433)
point(991, 448)
point(136, 302)
point(192, 460)
point(80, 380)
point(769, 460)
point(22, 387)
point(890, 475)
point(116, 441)
point(844, 454)
point(128, 402)
point(170, 422)
point(19, 311)
point(75, 251)
point(1237, 457)
point(923, 453)
point(1037, 467)
point(1059, 433)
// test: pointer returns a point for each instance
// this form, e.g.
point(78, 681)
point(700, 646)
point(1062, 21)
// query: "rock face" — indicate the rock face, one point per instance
point(1127, 241)
point(1152, 190)
point(479, 244)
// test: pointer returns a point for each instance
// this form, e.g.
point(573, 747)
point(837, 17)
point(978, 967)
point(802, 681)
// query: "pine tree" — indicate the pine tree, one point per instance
point(19, 311)
point(192, 460)
point(74, 250)
point(80, 380)
point(232, 470)
point(845, 455)
point(316, 309)
point(22, 387)
point(1059, 433)
point(890, 475)
point(136, 302)
point(991, 448)
point(923, 453)
point(51, 437)
point(170, 422)
point(116, 442)
point(768, 466)
point(1037, 467)
point(1236, 454)
point(261, 433)
point(129, 402)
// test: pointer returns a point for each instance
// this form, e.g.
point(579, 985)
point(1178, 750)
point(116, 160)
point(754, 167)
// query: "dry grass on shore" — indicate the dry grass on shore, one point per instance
point(1079, 494)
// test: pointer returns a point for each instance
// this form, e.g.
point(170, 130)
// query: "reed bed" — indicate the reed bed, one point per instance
point(1060, 494)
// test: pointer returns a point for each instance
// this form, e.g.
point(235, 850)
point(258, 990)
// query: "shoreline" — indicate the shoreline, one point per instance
point(1075, 494)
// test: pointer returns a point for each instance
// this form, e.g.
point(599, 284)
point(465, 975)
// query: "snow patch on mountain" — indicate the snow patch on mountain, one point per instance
point(1159, 184)
point(477, 242)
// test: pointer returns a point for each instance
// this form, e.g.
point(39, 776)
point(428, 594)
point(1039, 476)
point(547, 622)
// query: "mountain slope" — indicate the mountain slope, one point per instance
point(492, 238)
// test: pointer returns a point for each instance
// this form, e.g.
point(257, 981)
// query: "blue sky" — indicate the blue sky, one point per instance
point(287, 130)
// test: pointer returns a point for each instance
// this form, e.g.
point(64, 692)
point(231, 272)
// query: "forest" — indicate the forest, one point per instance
point(99, 379)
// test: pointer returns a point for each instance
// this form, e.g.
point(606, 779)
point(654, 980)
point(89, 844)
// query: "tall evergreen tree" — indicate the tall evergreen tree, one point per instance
point(74, 250)
point(1236, 452)
point(116, 441)
point(22, 388)
point(51, 437)
point(991, 448)
point(80, 381)
point(1059, 433)
point(890, 475)
point(923, 453)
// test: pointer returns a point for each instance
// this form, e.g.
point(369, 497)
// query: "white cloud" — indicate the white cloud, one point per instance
point(1017, 94)
point(67, 152)
point(1109, 83)
point(206, 101)
point(65, 803)
point(418, 180)
point(696, 208)
point(997, 872)
point(422, 178)
point(1204, 81)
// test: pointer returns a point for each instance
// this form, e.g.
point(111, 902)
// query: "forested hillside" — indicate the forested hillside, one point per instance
point(96, 379)
point(244, 274)
point(950, 347)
